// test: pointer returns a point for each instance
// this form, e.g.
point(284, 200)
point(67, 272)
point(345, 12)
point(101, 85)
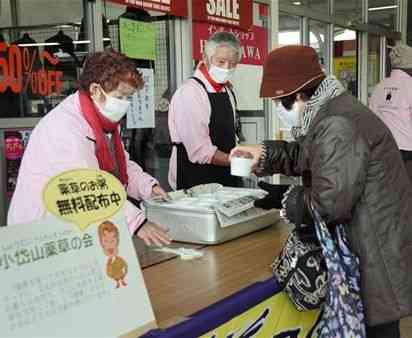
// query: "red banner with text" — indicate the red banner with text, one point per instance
point(254, 42)
point(174, 7)
point(235, 13)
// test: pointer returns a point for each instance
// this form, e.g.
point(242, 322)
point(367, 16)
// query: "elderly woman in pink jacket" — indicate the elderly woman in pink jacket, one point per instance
point(83, 132)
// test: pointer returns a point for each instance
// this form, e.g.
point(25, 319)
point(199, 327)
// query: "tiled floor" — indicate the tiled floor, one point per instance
point(406, 328)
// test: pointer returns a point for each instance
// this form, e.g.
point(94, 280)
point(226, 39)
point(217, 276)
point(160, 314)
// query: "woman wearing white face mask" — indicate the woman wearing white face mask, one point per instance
point(290, 118)
point(291, 108)
point(352, 173)
point(203, 122)
point(83, 132)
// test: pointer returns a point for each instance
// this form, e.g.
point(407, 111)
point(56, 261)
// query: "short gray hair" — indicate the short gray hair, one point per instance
point(222, 39)
point(401, 56)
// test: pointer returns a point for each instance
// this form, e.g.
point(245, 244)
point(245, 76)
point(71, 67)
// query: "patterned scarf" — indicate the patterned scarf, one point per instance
point(329, 88)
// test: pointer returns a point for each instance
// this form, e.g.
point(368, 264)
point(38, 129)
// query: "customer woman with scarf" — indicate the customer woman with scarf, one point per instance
point(353, 175)
point(83, 132)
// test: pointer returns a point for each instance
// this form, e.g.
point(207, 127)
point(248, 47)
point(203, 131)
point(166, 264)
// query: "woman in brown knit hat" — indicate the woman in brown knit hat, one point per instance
point(357, 178)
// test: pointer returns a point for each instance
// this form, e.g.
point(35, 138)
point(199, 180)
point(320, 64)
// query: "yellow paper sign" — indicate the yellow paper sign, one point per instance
point(84, 196)
point(137, 39)
point(344, 66)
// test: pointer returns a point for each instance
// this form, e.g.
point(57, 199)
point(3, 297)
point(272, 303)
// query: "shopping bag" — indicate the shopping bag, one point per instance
point(343, 312)
point(300, 270)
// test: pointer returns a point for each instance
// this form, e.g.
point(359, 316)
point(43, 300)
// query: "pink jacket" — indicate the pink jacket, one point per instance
point(60, 142)
point(392, 102)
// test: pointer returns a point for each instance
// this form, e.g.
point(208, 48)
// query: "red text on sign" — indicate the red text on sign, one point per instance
point(17, 73)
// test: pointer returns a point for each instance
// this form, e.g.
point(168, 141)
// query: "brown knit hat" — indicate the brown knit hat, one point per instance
point(290, 69)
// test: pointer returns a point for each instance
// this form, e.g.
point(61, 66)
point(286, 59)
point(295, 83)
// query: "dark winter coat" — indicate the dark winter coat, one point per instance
point(358, 178)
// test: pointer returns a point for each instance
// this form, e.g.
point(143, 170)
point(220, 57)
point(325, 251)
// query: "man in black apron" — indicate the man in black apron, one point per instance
point(210, 83)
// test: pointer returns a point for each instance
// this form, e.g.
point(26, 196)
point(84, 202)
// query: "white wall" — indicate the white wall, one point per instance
point(5, 16)
point(37, 12)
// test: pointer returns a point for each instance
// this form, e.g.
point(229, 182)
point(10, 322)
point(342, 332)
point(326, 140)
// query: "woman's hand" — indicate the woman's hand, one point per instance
point(154, 234)
point(157, 191)
point(252, 151)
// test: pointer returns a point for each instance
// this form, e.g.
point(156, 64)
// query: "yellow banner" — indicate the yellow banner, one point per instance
point(84, 196)
point(275, 317)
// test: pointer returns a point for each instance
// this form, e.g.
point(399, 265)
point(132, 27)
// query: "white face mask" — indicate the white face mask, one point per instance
point(220, 75)
point(291, 118)
point(114, 109)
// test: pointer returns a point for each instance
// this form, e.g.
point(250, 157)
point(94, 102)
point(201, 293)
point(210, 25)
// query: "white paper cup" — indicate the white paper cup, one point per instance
point(240, 166)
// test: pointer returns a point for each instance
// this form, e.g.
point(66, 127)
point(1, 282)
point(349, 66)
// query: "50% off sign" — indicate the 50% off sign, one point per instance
point(18, 74)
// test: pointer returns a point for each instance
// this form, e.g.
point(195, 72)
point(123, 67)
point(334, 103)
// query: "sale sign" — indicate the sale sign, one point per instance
point(254, 43)
point(234, 13)
point(18, 74)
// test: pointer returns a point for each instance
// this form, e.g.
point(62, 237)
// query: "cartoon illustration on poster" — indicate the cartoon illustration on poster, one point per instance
point(116, 266)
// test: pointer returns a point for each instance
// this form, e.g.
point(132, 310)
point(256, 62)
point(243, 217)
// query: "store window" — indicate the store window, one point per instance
point(318, 6)
point(289, 29)
point(317, 33)
point(251, 107)
point(145, 131)
point(383, 13)
point(349, 11)
point(373, 62)
point(289, 34)
point(40, 56)
point(345, 58)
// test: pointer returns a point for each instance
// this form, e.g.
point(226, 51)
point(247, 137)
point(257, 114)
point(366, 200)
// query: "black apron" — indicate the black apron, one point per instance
point(222, 135)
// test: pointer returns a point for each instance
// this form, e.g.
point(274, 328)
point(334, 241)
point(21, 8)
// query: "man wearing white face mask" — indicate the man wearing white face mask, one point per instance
point(83, 132)
point(202, 118)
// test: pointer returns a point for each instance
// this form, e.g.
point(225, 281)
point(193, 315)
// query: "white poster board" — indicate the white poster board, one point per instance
point(248, 92)
point(62, 280)
point(141, 113)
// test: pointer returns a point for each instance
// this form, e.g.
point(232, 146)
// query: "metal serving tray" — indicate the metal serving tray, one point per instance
point(195, 221)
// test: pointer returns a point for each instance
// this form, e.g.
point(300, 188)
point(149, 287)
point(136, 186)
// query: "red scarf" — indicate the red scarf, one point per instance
point(101, 125)
point(218, 87)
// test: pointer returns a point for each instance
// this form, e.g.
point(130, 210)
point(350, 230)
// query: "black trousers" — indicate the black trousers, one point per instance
point(388, 330)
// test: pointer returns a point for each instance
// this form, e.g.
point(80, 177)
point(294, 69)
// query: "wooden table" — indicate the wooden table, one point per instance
point(179, 288)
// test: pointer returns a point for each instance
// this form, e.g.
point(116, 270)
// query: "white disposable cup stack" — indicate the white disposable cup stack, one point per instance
point(240, 166)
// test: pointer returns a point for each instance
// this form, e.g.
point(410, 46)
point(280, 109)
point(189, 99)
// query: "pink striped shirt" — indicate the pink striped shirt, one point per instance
point(189, 117)
point(59, 143)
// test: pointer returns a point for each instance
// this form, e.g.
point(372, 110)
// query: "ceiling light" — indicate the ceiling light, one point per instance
point(38, 44)
point(296, 3)
point(382, 8)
